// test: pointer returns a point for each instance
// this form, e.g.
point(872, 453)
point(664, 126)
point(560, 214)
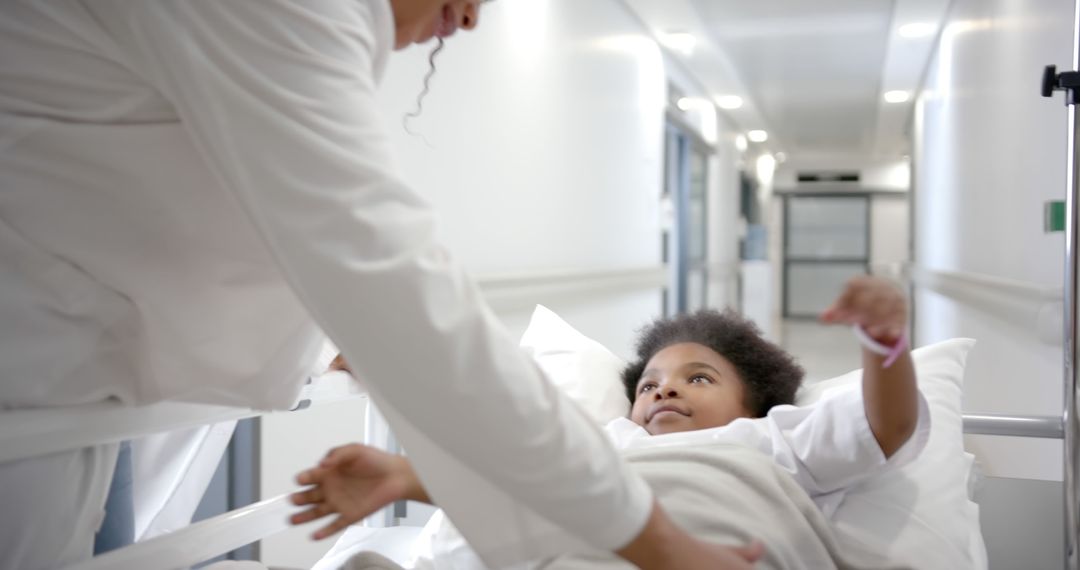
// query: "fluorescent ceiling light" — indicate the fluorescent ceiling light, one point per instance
point(688, 103)
point(758, 136)
point(729, 101)
point(740, 143)
point(897, 96)
point(917, 30)
point(682, 42)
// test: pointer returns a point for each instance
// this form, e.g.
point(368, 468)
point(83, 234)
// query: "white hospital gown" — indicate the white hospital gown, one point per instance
point(827, 447)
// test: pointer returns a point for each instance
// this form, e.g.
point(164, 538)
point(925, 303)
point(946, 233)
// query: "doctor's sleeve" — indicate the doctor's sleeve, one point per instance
point(279, 99)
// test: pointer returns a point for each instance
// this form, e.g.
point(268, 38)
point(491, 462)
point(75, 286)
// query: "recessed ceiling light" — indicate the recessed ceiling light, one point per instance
point(682, 42)
point(740, 142)
point(688, 103)
point(757, 136)
point(897, 96)
point(781, 157)
point(917, 30)
point(729, 101)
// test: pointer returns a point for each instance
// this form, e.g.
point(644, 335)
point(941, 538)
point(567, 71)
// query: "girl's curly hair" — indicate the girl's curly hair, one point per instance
point(770, 375)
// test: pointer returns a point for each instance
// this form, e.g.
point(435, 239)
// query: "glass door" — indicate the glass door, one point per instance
point(685, 238)
point(826, 243)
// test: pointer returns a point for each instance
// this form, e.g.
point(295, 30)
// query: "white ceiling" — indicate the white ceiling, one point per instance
point(812, 72)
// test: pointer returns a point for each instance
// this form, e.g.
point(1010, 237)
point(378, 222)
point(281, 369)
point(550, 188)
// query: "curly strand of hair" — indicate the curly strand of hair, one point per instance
point(423, 93)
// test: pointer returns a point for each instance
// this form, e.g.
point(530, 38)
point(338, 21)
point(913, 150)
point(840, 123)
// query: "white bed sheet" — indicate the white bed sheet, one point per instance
point(395, 543)
point(412, 548)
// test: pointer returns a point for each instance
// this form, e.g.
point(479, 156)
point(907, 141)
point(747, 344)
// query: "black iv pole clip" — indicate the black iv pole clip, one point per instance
point(1068, 81)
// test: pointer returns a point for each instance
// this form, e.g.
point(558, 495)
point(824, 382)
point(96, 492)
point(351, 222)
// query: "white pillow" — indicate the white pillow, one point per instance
point(580, 366)
point(919, 515)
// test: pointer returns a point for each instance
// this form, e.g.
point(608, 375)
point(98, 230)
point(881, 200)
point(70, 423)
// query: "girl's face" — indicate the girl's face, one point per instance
point(417, 21)
point(688, 386)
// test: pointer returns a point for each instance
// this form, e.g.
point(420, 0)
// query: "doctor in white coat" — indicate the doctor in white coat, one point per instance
point(191, 192)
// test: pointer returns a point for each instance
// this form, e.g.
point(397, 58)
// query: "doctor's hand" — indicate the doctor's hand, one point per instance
point(352, 482)
point(662, 545)
point(873, 303)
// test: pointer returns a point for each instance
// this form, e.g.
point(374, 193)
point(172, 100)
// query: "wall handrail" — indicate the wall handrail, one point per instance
point(988, 284)
point(521, 290)
point(509, 292)
point(497, 282)
point(1020, 303)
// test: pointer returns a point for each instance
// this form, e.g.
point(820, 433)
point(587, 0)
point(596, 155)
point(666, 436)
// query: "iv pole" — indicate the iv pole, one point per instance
point(1069, 82)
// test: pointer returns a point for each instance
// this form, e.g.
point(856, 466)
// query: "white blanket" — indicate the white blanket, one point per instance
point(727, 494)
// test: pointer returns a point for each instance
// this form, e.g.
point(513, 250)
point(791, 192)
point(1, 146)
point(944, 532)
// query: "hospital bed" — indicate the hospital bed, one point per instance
point(38, 432)
point(33, 433)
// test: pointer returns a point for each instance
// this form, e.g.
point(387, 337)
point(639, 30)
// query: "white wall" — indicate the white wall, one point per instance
point(724, 219)
point(989, 152)
point(890, 230)
point(887, 175)
point(546, 130)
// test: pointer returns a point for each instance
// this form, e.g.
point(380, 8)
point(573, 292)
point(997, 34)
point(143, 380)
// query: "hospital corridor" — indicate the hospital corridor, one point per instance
point(528, 284)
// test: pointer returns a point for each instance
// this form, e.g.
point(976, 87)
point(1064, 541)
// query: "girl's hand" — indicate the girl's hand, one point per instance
point(339, 364)
point(874, 304)
point(352, 482)
point(890, 389)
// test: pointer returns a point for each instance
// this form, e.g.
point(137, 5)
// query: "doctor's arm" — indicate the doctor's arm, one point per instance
point(354, 481)
point(278, 98)
point(890, 393)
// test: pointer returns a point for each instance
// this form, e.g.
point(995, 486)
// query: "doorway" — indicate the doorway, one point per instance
point(826, 243)
point(685, 235)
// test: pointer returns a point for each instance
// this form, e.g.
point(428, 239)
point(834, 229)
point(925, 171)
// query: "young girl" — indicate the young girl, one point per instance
point(709, 378)
point(709, 369)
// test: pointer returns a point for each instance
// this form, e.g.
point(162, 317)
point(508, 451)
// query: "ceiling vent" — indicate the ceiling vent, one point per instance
point(831, 176)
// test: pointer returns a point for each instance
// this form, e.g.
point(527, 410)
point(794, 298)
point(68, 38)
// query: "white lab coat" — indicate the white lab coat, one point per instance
point(52, 504)
point(171, 472)
point(193, 189)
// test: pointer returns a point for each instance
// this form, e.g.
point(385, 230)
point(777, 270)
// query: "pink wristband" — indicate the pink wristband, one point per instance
point(891, 353)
